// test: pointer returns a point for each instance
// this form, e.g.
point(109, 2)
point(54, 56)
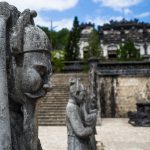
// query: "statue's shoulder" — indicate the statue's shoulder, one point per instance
point(71, 107)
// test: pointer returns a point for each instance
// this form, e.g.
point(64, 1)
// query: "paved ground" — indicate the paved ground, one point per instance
point(115, 134)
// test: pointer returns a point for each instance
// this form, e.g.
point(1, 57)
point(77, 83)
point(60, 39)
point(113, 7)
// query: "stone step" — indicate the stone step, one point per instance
point(46, 111)
point(57, 94)
point(56, 101)
point(51, 120)
point(59, 111)
point(64, 93)
point(52, 117)
point(52, 114)
point(49, 98)
point(52, 124)
point(53, 104)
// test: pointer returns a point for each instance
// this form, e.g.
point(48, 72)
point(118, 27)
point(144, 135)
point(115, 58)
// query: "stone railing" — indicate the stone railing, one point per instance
point(74, 66)
point(132, 68)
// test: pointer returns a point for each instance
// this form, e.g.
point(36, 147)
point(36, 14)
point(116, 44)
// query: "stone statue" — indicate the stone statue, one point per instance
point(26, 62)
point(80, 124)
point(89, 115)
point(142, 116)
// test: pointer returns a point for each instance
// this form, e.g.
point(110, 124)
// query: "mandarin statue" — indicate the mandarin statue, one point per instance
point(24, 72)
point(81, 117)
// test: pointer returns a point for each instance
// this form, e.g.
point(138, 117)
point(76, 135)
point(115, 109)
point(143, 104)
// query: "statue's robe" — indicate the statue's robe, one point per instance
point(78, 135)
point(89, 120)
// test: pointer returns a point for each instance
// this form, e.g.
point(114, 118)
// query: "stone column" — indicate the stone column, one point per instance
point(5, 137)
point(93, 85)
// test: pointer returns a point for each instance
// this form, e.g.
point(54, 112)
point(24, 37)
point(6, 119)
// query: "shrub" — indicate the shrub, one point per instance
point(128, 51)
point(57, 58)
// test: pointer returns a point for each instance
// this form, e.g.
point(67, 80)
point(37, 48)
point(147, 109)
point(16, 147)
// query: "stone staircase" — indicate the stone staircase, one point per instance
point(51, 110)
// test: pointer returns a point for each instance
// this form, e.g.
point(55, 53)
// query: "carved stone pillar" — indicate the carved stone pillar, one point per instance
point(93, 85)
point(5, 137)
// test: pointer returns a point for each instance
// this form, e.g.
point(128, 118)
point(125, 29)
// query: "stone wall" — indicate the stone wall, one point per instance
point(118, 95)
point(121, 85)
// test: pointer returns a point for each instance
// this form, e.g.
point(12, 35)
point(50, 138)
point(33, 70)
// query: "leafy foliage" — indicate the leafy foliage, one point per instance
point(94, 49)
point(62, 38)
point(57, 58)
point(72, 47)
point(58, 39)
point(128, 51)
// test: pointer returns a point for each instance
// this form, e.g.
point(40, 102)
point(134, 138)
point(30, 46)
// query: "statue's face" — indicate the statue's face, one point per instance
point(36, 70)
point(32, 78)
point(80, 97)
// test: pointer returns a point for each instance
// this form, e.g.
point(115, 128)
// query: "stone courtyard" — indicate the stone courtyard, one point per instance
point(115, 134)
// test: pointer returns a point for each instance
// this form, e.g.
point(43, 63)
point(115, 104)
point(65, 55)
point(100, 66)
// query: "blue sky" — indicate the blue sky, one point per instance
point(62, 12)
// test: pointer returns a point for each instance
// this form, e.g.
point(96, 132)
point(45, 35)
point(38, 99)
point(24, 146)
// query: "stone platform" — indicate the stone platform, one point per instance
point(115, 134)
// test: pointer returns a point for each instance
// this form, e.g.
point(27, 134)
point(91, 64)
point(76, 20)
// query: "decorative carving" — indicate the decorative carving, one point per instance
point(28, 69)
point(80, 118)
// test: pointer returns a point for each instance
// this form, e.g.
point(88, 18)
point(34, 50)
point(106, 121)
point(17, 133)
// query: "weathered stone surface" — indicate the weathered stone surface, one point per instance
point(80, 119)
point(26, 68)
point(121, 85)
point(5, 137)
point(127, 92)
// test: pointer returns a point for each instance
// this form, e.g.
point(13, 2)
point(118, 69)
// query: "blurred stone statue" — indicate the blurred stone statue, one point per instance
point(24, 69)
point(80, 124)
point(89, 115)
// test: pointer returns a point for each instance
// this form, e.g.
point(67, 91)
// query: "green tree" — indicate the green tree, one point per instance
point(72, 47)
point(58, 38)
point(128, 51)
point(62, 38)
point(94, 48)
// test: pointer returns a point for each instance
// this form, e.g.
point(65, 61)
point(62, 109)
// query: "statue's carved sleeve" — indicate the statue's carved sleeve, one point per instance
point(74, 117)
point(90, 119)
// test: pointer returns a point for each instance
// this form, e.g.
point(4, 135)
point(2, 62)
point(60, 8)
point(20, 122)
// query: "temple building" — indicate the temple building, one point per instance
point(86, 29)
point(116, 33)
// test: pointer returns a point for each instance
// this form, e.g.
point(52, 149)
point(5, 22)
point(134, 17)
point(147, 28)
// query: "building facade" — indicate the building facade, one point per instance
point(86, 30)
point(116, 33)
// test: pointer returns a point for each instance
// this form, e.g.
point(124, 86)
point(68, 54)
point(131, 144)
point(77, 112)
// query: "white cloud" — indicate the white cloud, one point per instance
point(142, 15)
point(68, 22)
point(64, 23)
point(59, 5)
point(57, 25)
point(118, 4)
point(102, 20)
point(127, 11)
